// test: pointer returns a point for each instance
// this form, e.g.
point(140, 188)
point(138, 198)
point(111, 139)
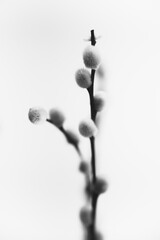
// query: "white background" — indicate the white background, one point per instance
point(41, 190)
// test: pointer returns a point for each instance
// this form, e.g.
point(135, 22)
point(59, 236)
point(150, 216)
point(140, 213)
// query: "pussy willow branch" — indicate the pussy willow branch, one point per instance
point(94, 196)
point(92, 143)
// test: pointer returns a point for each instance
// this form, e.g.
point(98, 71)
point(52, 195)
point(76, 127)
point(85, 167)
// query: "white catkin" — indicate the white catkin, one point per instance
point(91, 57)
point(37, 115)
point(83, 78)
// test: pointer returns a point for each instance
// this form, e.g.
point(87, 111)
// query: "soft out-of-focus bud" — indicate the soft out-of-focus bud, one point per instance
point(56, 117)
point(85, 216)
point(72, 137)
point(83, 78)
point(83, 167)
point(87, 128)
point(100, 186)
point(37, 115)
point(91, 57)
point(87, 190)
point(99, 101)
point(101, 71)
point(98, 236)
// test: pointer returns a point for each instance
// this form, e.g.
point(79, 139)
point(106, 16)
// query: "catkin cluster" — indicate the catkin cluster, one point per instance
point(94, 186)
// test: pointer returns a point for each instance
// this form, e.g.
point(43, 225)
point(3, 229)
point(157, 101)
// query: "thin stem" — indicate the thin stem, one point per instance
point(93, 39)
point(93, 115)
point(93, 160)
point(91, 92)
point(94, 196)
point(94, 208)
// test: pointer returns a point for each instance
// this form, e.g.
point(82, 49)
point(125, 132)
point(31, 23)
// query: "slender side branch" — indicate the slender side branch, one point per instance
point(69, 138)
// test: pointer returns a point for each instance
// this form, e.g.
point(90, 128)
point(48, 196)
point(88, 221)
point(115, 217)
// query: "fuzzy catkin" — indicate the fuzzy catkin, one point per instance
point(57, 117)
point(100, 186)
point(99, 101)
point(83, 78)
point(87, 128)
point(83, 167)
point(37, 115)
point(91, 57)
point(85, 216)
